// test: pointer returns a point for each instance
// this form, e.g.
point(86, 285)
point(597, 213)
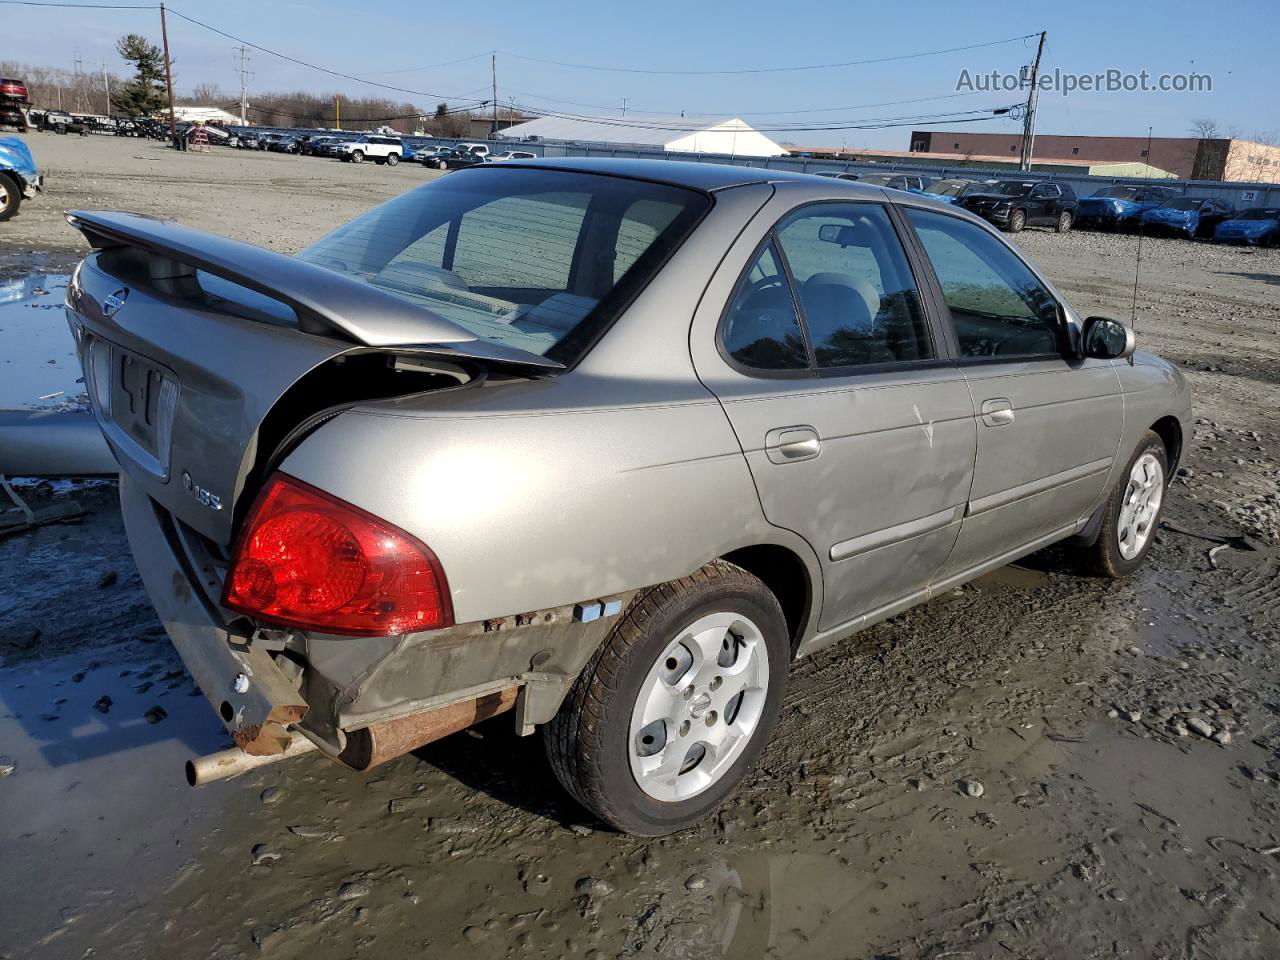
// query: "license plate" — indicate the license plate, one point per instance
point(135, 400)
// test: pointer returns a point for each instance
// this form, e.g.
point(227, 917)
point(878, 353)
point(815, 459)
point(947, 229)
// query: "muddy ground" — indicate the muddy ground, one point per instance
point(1105, 825)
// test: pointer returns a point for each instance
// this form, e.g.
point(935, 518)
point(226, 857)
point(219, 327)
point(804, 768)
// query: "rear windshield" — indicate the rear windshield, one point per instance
point(1182, 203)
point(539, 260)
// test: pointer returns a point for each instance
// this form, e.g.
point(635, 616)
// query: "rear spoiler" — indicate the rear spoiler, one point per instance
point(324, 300)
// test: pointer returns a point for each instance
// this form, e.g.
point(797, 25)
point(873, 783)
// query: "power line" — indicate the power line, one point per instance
point(433, 66)
point(82, 6)
point(810, 66)
point(311, 66)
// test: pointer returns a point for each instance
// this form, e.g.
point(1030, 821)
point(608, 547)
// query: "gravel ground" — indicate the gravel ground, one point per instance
point(1036, 765)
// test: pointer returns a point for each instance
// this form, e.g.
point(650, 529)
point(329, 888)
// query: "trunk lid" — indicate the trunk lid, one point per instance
point(192, 346)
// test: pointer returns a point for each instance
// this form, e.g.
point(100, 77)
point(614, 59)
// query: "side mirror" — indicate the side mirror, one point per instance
point(1107, 339)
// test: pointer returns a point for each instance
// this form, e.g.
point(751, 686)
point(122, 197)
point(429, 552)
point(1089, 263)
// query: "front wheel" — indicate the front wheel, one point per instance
point(677, 703)
point(1017, 220)
point(10, 198)
point(1132, 512)
point(1064, 222)
point(357, 156)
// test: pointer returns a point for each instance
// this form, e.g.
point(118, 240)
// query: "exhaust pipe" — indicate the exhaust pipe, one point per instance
point(232, 762)
point(371, 746)
point(366, 748)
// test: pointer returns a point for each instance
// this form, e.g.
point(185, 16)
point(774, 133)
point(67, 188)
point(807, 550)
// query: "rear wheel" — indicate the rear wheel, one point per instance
point(676, 704)
point(393, 159)
point(1064, 222)
point(10, 197)
point(1017, 220)
point(1132, 512)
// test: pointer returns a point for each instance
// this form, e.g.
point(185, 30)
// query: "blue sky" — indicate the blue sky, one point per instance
point(1237, 48)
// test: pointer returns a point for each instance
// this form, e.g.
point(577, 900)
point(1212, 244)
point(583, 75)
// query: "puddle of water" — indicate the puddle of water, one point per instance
point(96, 788)
point(38, 365)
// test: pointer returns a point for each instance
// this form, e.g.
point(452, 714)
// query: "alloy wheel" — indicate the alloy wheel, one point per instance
point(1141, 505)
point(698, 707)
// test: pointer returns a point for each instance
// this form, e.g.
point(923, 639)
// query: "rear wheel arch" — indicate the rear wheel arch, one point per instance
point(787, 577)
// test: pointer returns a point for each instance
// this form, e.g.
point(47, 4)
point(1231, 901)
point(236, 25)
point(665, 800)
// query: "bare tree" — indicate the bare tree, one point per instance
point(1206, 128)
point(209, 95)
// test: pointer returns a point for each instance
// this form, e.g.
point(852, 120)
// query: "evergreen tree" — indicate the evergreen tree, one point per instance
point(144, 95)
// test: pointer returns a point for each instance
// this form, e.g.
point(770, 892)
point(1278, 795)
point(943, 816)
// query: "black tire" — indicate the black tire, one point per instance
point(1064, 223)
point(10, 197)
point(357, 156)
point(586, 742)
point(393, 159)
point(1017, 220)
point(1103, 558)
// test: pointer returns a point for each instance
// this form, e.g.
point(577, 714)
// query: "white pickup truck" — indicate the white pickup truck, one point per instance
point(379, 149)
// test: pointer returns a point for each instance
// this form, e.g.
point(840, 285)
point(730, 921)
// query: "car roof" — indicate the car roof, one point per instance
point(678, 173)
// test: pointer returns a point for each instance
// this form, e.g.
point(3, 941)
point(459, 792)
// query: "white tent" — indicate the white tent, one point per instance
point(681, 134)
point(204, 114)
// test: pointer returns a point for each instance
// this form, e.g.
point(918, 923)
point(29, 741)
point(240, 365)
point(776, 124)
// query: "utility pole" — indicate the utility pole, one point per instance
point(337, 113)
point(168, 76)
point(624, 106)
point(106, 85)
point(493, 68)
point(244, 85)
point(1029, 117)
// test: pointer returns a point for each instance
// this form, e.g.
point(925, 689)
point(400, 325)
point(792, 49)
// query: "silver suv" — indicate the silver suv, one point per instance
point(605, 444)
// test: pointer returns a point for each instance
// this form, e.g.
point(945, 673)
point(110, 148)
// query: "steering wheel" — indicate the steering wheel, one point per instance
point(764, 283)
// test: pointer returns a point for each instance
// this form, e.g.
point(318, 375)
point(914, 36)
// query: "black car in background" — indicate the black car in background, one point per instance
point(59, 121)
point(1014, 204)
point(458, 158)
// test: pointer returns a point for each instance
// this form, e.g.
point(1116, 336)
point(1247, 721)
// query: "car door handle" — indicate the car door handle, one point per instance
point(792, 444)
point(997, 413)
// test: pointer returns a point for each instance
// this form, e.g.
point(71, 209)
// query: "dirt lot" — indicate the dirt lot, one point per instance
point(1010, 771)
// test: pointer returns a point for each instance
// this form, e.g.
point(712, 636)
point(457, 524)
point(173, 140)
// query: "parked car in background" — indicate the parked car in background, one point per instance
point(1188, 217)
point(425, 155)
point(284, 144)
point(1119, 207)
point(512, 155)
point(19, 178)
point(1259, 228)
point(1014, 204)
point(456, 159)
point(375, 147)
point(836, 174)
point(265, 140)
point(247, 140)
point(59, 121)
point(336, 539)
point(911, 182)
point(479, 149)
point(316, 146)
point(13, 104)
point(951, 189)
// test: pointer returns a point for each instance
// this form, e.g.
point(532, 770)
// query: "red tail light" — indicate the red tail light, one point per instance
point(12, 88)
point(306, 559)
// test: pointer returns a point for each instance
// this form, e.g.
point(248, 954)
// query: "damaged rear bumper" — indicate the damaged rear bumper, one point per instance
point(359, 699)
point(251, 694)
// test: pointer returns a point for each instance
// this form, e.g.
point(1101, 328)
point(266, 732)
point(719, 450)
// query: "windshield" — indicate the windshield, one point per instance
point(877, 179)
point(1182, 203)
point(1265, 214)
point(1010, 188)
point(1124, 193)
point(949, 188)
point(539, 260)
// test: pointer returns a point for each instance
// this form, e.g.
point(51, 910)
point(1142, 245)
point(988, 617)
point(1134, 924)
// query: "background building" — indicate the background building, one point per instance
point(676, 134)
point(1187, 158)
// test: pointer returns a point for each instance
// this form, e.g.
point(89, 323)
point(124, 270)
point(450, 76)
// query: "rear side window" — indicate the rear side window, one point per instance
point(856, 292)
point(762, 327)
point(831, 290)
point(998, 306)
point(540, 260)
